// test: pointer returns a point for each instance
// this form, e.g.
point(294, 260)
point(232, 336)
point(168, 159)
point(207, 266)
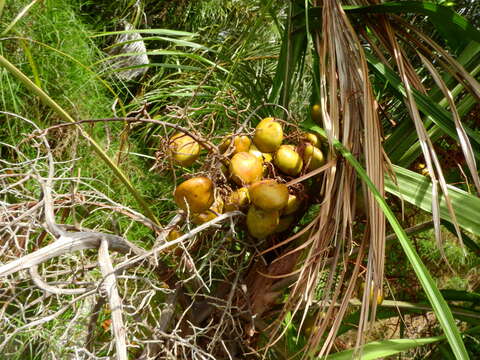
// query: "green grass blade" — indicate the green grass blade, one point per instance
point(165, 32)
point(195, 57)
point(177, 42)
point(31, 61)
point(417, 190)
point(380, 349)
point(439, 305)
point(47, 100)
point(2, 5)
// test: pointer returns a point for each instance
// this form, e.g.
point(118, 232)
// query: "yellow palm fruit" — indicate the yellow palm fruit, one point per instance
point(316, 113)
point(265, 157)
point(312, 138)
point(261, 223)
point(379, 295)
point(174, 234)
point(269, 195)
point(184, 149)
point(268, 135)
point(245, 168)
point(240, 144)
point(288, 160)
point(422, 168)
point(237, 200)
point(210, 214)
point(313, 156)
point(293, 204)
point(255, 152)
point(195, 195)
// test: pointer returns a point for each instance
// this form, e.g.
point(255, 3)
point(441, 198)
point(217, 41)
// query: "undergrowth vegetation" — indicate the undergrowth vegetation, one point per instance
point(332, 284)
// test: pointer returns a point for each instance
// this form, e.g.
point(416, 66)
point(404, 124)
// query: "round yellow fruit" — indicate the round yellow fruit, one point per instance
point(210, 214)
point(174, 234)
point(284, 223)
point(245, 168)
point(422, 169)
point(184, 149)
point(379, 298)
point(269, 195)
point(313, 156)
point(312, 139)
point(203, 217)
point(265, 157)
point(195, 195)
point(293, 204)
point(288, 160)
point(268, 135)
point(316, 113)
point(237, 200)
point(261, 223)
point(255, 152)
point(240, 144)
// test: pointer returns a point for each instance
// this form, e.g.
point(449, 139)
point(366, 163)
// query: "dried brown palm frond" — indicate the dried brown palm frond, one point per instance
point(350, 115)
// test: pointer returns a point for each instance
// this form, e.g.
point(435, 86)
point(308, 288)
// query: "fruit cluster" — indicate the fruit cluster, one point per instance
point(257, 170)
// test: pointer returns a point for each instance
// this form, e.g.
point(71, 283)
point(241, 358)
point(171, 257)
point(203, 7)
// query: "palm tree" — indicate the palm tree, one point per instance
point(385, 84)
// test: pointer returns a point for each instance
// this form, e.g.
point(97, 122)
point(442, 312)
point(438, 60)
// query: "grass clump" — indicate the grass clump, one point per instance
point(51, 44)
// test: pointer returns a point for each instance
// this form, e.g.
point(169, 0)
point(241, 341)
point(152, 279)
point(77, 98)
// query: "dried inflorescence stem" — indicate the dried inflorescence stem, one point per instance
point(110, 286)
point(65, 273)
